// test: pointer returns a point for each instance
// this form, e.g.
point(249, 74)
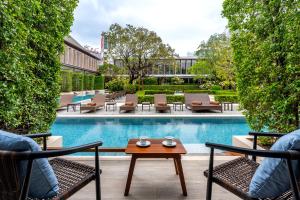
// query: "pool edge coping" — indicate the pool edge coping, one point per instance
point(150, 116)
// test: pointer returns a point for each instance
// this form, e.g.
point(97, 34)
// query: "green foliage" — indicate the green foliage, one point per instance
point(265, 36)
point(116, 84)
point(200, 91)
point(130, 88)
point(31, 41)
point(136, 48)
point(150, 81)
point(176, 80)
point(66, 81)
point(111, 70)
point(170, 98)
point(92, 82)
point(216, 87)
point(215, 60)
point(99, 83)
point(77, 80)
point(227, 98)
point(88, 81)
point(151, 92)
point(171, 87)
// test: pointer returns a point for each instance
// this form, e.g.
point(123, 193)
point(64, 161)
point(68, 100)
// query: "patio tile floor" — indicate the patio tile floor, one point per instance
point(152, 180)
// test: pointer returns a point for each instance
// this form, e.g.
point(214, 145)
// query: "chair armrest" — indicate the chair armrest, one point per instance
point(49, 154)
point(253, 152)
point(40, 135)
point(267, 134)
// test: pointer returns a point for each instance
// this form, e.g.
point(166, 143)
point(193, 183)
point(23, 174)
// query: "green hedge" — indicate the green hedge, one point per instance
point(88, 83)
point(170, 98)
point(227, 98)
point(77, 80)
point(66, 81)
point(151, 92)
point(99, 83)
point(150, 81)
point(31, 40)
point(200, 91)
point(171, 87)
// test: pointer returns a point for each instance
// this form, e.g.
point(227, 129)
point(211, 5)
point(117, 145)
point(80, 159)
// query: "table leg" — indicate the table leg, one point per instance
point(67, 108)
point(181, 175)
point(176, 169)
point(130, 173)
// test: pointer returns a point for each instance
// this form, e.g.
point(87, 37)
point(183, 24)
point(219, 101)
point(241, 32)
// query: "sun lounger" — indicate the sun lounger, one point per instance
point(97, 102)
point(199, 101)
point(131, 102)
point(160, 103)
point(65, 100)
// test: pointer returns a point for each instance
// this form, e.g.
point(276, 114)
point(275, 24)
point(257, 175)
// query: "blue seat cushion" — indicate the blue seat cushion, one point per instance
point(43, 182)
point(271, 178)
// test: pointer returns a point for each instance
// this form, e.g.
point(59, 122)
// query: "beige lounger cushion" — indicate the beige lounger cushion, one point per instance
point(196, 103)
point(161, 104)
point(214, 103)
point(129, 103)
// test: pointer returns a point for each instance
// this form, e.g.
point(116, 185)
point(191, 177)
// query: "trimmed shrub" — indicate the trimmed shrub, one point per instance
point(31, 40)
point(200, 91)
point(216, 87)
point(170, 98)
point(89, 80)
point(99, 83)
point(171, 87)
point(77, 82)
point(151, 92)
point(66, 81)
point(150, 81)
point(227, 98)
point(92, 82)
point(86, 81)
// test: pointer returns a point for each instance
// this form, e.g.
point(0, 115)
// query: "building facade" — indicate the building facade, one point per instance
point(165, 68)
point(78, 58)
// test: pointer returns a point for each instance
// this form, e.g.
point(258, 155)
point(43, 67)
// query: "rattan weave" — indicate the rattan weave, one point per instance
point(236, 176)
point(71, 176)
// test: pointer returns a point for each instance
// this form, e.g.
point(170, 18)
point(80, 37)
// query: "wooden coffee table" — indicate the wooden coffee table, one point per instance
point(156, 150)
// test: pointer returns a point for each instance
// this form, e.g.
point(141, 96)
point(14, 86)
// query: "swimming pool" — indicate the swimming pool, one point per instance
point(115, 132)
point(81, 98)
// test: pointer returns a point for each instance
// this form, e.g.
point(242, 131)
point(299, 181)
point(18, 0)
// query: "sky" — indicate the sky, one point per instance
point(183, 24)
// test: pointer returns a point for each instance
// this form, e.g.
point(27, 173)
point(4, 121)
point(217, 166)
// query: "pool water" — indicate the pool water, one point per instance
point(116, 132)
point(81, 98)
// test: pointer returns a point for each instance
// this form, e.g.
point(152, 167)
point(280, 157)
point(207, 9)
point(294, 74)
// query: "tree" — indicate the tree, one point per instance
point(137, 48)
point(216, 57)
point(31, 40)
point(111, 70)
point(266, 51)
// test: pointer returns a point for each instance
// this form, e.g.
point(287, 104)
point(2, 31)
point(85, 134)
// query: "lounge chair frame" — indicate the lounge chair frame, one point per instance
point(9, 187)
point(99, 99)
point(159, 98)
point(129, 98)
point(204, 98)
point(218, 174)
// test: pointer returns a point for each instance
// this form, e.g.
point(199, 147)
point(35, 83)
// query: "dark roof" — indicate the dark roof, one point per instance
point(70, 41)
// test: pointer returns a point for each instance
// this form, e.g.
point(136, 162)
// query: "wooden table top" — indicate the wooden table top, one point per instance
point(156, 147)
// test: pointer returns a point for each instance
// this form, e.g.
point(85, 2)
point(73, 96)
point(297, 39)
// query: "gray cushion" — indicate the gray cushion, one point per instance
point(43, 182)
point(271, 179)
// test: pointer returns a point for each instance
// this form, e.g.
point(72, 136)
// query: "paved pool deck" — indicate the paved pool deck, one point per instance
point(153, 179)
point(146, 113)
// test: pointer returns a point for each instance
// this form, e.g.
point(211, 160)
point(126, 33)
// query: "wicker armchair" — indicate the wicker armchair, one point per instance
point(71, 176)
point(236, 175)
